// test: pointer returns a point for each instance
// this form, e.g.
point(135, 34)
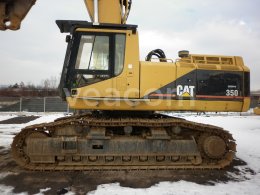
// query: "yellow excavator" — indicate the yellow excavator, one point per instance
point(121, 130)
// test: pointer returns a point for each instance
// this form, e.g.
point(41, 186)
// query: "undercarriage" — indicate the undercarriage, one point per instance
point(101, 142)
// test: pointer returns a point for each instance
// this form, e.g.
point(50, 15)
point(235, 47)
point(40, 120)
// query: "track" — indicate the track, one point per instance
point(150, 143)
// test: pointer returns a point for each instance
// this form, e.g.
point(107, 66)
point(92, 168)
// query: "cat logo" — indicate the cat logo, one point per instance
point(185, 91)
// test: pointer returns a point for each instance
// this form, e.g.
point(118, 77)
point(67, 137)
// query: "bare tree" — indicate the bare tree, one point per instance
point(46, 84)
point(53, 82)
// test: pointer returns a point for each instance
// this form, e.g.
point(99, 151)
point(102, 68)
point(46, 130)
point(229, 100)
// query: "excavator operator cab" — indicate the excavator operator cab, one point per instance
point(95, 53)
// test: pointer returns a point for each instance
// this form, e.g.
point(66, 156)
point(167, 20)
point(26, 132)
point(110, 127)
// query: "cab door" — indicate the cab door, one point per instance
point(126, 83)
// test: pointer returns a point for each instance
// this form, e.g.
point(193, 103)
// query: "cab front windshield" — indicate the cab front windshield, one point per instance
point(99, 57)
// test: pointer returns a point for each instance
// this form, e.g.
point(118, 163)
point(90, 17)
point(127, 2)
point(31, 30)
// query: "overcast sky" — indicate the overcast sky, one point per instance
point(224, 27)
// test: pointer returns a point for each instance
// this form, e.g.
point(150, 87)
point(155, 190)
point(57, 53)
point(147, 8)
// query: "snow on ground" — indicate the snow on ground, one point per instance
point(6, 190)
point(5, 116)
point(183, 188)
point(7, 131)
point(245, 129)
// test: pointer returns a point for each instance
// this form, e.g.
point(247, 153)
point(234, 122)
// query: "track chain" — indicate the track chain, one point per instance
point(23, 160)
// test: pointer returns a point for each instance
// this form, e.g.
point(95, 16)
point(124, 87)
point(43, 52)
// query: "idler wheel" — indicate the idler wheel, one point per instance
point(214, 147)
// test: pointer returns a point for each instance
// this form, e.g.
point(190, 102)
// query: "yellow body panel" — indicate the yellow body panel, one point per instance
point(108, 11)
point(133, 88)
point(257, 110)
point(246, 105)
point(184, 68)
point(155, 104)
point(154, 76)
point(130, 78)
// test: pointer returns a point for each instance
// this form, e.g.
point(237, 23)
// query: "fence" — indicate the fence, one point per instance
point(34, 104)
point(47, 104)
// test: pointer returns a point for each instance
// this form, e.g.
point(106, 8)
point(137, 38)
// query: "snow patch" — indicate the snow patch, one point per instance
point(4, 116)
point(42, 191)
point(6, 189)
